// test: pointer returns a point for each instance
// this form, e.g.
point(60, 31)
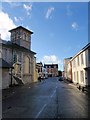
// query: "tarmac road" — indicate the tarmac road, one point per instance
point(47, 99)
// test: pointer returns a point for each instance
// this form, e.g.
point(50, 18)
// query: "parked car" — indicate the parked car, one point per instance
point(60, 78)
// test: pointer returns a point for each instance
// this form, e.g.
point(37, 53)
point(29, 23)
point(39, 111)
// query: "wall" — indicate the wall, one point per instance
point(21, 37)
point(0, 78)
point(88, 66)
point(69, 71)
point(66, 61)
point(7, 54)
point(27, 74)
point(27, 78)
point(76, 69)
point(35, 71)
point(5, 78)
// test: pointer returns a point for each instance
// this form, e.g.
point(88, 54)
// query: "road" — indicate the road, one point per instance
point(48, 99)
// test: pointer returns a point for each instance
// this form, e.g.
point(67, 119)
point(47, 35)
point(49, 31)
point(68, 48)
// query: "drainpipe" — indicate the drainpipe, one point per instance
point(11, 77)
point(71, 70)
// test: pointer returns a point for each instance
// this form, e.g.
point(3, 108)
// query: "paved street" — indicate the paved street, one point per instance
point(47, 99)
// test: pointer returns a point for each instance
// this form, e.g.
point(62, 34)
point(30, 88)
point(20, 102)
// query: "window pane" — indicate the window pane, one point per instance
point(81, 58)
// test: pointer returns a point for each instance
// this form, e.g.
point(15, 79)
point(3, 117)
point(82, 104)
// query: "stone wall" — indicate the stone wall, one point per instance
point(5, 78)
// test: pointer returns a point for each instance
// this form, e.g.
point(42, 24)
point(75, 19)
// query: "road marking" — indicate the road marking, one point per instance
point(40, 111)
point(53, 94)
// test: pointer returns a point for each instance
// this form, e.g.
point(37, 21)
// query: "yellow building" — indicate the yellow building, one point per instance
point(35, 71)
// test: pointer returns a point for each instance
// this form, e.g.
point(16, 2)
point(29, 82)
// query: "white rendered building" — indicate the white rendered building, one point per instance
point(81, 67)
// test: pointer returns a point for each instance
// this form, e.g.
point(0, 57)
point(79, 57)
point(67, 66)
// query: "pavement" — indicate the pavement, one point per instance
point(86, 89)
point(13, 89)
point(9, 91)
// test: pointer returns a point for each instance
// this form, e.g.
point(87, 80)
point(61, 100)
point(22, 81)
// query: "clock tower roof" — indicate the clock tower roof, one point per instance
point(20, 27)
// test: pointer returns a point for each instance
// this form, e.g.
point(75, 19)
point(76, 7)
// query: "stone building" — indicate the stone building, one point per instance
point(39, 67)
point(35, 71)
point(17, 52)
point(4, 72)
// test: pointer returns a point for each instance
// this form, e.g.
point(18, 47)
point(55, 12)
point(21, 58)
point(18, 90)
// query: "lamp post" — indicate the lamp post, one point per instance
point(11, 62)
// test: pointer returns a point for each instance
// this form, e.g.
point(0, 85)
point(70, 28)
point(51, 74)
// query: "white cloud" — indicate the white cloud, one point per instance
point(6, 23)
point(28, 8)
point(75, 26)
point(68, 8)
point(18, 19)
point(51, 59)
point(49, 11)
point(14, 4)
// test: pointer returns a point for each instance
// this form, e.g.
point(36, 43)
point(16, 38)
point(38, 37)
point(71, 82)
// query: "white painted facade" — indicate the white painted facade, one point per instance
point(69, 71)
point(80, 67)
point(66, 67)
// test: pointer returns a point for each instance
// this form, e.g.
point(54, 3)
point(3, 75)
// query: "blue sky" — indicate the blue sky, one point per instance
point(60, 28)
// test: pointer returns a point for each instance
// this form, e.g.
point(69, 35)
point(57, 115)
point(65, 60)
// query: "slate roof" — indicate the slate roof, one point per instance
point(20, 27)
point(83, 49)
point(52, 65)
point(86, 47)
point(4, 64)
point(15, 46)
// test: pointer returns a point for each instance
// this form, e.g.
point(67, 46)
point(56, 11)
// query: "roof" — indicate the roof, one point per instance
point(4, 64)
point(83, 49)
point(20, 27)
point(39, 64)
point(3, 41)
point(52, 65)
point(16, 46)
point(87, 46)
point(68, 58)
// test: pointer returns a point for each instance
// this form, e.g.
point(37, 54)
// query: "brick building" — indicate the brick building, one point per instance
point(52, 69)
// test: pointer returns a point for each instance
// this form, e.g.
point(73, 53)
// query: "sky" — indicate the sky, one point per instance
point(60, 28)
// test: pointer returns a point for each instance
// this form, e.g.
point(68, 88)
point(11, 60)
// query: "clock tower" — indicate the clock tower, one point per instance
point(21, 36)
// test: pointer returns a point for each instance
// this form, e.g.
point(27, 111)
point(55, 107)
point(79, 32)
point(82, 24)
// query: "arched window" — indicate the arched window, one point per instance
point(27, 65)
point(14, 57)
